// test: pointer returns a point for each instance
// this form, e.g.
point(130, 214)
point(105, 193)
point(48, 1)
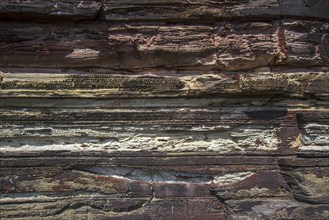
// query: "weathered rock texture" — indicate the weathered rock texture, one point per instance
point(171, 109)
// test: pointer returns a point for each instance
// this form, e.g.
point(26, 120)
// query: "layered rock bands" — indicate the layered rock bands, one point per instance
point(164, 109)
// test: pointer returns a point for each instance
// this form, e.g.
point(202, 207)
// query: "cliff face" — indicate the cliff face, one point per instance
point(164, 109)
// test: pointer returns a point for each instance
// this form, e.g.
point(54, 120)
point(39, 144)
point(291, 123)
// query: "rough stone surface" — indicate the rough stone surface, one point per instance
point(164, 109)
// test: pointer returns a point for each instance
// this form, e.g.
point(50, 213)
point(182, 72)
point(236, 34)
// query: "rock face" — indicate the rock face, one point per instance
point(164, 109)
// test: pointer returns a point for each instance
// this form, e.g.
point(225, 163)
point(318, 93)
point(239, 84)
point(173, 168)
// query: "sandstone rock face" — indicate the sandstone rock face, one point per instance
point(164, 109)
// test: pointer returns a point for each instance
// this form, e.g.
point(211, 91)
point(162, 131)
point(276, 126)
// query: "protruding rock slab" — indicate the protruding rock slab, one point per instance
point(120, 84)
point(197, 11)
point(49, 10)
point(274, 209)
point(210, 11)
point(229, 46)
point(224, 131)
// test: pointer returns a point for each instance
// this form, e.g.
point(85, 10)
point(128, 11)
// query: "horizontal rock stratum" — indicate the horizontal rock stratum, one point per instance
point(164, 109)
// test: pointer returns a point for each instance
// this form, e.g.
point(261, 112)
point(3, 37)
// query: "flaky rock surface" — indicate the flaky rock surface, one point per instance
point(171, 109)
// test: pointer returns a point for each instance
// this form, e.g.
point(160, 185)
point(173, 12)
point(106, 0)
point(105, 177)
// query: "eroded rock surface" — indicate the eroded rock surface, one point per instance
point(164, 109)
